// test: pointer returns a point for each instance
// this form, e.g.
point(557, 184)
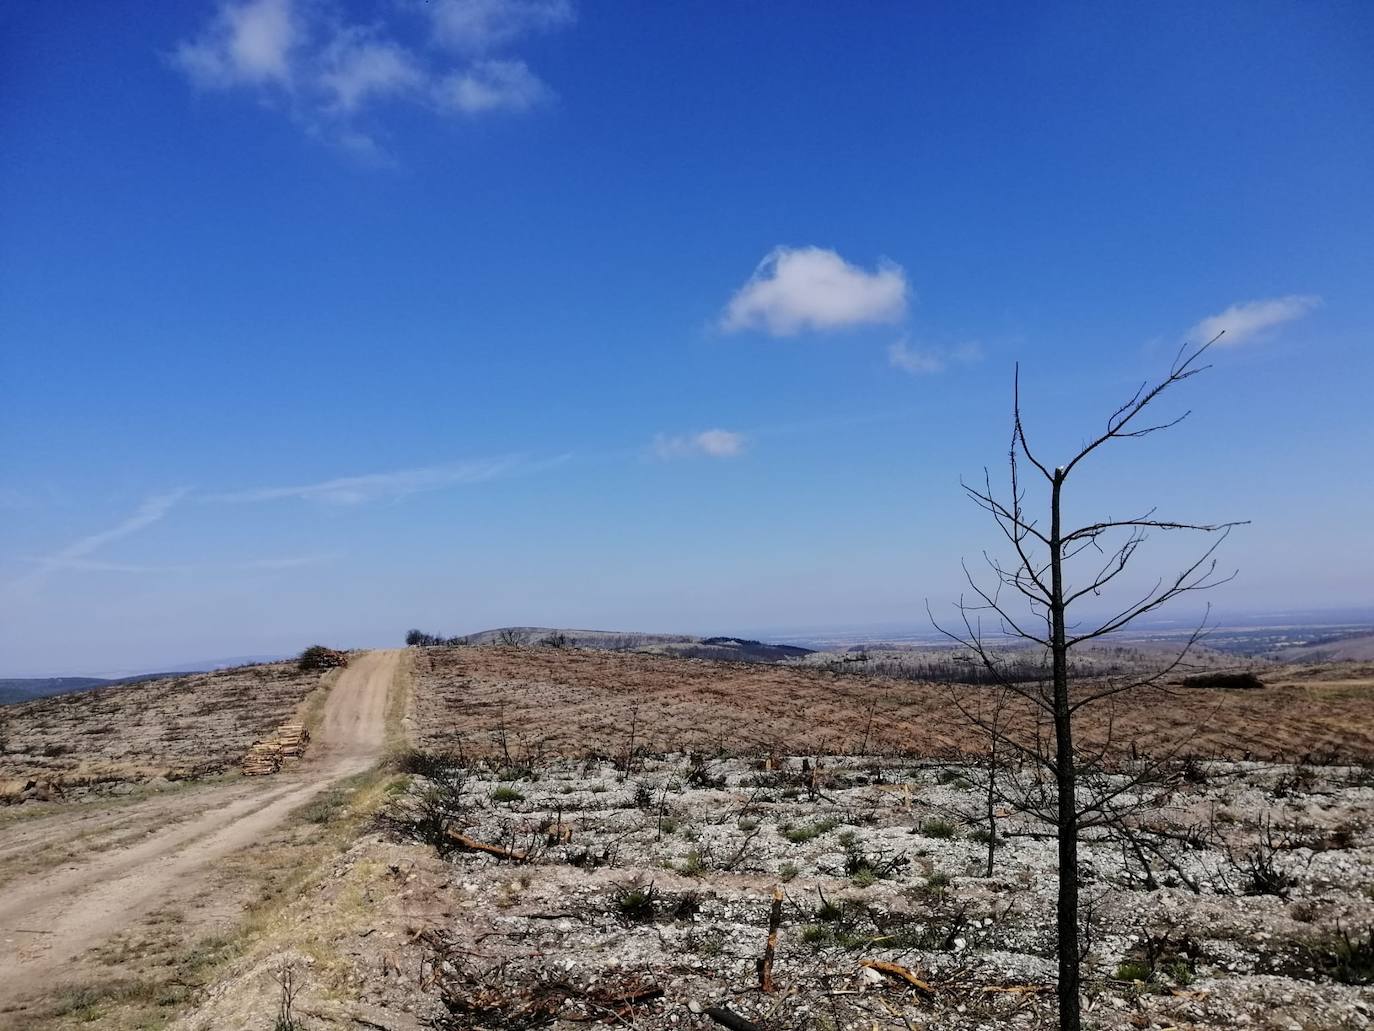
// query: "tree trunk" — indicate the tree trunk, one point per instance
point(1065, 778)
point(992, 802)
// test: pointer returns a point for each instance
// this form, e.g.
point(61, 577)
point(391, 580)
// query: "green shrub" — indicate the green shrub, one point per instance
point(1133, 970)
point(809, 832)
point(939, 828)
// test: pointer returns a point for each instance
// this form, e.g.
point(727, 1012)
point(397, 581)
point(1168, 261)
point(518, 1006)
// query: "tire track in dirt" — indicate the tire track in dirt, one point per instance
point(86, 904)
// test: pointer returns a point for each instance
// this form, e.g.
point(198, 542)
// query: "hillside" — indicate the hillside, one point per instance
point(24, 689)
point(686, 646)
point(172, 726)
point(549, 701)
point(1354, 648)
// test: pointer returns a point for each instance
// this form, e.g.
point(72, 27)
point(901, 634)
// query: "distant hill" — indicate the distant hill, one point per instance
point(25, 689)
point(1335, 648)
point(736, 649)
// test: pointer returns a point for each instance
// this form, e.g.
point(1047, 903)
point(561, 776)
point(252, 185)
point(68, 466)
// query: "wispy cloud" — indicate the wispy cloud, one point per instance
point(153, 510)
point(479, 26)
point(333, 76)
point(91, 565)
point(708, 443)
point(355, 490)
point(1242, 321)
point(810, 288)
point(926, 361)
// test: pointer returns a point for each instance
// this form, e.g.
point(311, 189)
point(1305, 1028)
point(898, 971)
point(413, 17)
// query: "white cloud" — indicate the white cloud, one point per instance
point(331, 75)
point(1242, 321)
point(812, 288)
point(493, 86)
point(358, 68)
point(924, 361)
point(709, 443)
point(478, 26)
point(354, 490)
point(246, 44)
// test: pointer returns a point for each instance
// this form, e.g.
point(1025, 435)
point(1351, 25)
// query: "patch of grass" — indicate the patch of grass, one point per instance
point(1180, 972)
point(787, 872)
point(809, 831)
point(818, 935)
point(865, 877)
point(694, 865)
point(1133, 970)
point(506, 793)
point(712, 944)
point(936, 827)
point(325, 807)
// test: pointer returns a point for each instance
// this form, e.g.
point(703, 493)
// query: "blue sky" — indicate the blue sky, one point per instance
point(325, 319)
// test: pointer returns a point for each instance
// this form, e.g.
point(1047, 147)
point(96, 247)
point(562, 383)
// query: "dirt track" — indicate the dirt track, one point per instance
point(115, 868)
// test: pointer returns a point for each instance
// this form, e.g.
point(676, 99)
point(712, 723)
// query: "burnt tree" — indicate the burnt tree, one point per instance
point(1034, 764)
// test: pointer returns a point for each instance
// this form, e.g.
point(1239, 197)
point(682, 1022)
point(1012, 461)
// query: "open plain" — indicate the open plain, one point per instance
point(531, 836)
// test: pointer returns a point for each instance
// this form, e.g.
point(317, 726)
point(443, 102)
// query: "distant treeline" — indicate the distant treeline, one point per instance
point(420, 639)
point(960, 669)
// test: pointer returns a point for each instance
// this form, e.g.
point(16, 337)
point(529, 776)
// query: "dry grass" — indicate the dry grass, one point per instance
point(191, 726)
point(570, 703)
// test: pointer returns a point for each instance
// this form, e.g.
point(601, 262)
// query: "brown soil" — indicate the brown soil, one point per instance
point(551, 702)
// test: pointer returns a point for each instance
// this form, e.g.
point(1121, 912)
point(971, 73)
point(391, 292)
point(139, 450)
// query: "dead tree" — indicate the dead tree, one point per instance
point(1027, 603)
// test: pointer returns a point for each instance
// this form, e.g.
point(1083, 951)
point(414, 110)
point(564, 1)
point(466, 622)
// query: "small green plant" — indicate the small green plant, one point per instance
point(636, 903)
point(787, 872)
point(864, 877)
point(810, 831)
point(506, 793)
point(748, 823)
point(1133, 970)
point(817, 935)
point(694, 865)
point(1180, 972)
point(712, 943)
point(937, 827)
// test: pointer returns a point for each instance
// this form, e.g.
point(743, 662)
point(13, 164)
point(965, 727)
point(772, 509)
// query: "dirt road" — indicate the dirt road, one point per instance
point(111, 870)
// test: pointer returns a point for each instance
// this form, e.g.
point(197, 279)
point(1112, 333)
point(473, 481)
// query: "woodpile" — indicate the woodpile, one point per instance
point(267, 757)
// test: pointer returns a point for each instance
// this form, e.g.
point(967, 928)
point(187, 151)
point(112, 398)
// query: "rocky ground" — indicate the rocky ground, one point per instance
point(642, 898)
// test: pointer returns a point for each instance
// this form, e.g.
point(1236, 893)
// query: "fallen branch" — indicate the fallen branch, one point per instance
point(473, 845)
point(900, 973)
point(730, 1019)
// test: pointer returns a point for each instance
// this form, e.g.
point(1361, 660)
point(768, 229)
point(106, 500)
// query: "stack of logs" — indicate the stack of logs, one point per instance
point(267, 756)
